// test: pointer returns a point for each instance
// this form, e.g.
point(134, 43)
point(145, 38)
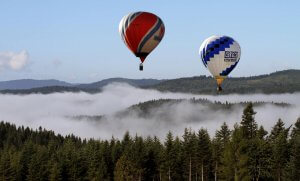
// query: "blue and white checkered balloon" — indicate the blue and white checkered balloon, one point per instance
point(220, 55)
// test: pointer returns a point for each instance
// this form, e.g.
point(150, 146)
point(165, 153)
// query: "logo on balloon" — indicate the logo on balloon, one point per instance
point(231, 56)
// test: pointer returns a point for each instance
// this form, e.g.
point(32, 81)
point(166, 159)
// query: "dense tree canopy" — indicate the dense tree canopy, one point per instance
point(247, 152)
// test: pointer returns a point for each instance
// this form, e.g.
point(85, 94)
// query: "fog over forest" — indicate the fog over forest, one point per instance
point(56, 112)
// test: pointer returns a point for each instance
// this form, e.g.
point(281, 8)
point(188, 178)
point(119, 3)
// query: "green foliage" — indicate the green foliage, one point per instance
point(244, 153)
point(204, 154)
point(235, 160)
point(292, 171)
point(145, 109)
point(218, 144)
point(248, 124)
point(280, 149)
point(286, 81)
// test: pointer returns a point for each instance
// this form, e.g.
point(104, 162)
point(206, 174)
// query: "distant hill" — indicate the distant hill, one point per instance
point(133, 82)
point(287, 81)
point(146, 109)
point(24, 84)
point(47, 90)
point(31, 83)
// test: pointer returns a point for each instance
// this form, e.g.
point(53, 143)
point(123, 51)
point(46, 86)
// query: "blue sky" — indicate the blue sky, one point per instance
point(78, 41)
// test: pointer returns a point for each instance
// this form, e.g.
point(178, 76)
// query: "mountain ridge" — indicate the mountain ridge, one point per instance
point(285, 81)
point(22, 84)
point(31, 83)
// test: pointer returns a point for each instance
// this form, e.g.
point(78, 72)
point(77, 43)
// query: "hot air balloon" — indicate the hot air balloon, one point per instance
point(220, 55)
point(141, 33)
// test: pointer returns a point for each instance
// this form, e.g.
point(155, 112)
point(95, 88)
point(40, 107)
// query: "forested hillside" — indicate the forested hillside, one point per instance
point(47, 90)
point(248, 152)
point(286, 81)
point(146, 109)
point(279, 82)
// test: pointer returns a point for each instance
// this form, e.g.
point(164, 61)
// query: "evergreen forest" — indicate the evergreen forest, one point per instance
point(245, 152)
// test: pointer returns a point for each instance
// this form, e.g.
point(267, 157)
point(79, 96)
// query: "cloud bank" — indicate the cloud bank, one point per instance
point(55, 112)
point(14, 60)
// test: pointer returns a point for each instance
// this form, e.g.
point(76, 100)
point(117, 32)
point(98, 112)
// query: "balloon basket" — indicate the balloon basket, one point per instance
point(141, 67)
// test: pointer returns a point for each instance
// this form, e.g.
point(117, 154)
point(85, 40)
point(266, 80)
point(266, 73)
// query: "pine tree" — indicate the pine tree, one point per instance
point(158, 149)
point(293, 167)
point(151, 168)
point(168, 156)
point(248, 124)
point(54, 171)
point(223, 135)
point(95, 158)
point(261, 133)
point(25, 158)
point(37, 168)
point(204, 154)
point(259, 157)
point(190, 154)
point(126, 142)
point(234, 159)
point(277, 129)
point(125, 169)
point(264, 154)
point(106, 160)
point(280, 152)
point(116, 150)
point(178, 159)
point(72, 158)
point(6, 170)
point(253, 145)
point(137, 155)
point(216, 157)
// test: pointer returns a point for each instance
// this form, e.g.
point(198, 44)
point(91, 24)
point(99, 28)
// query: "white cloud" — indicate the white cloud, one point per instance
point(55, 111)
point(14, 60)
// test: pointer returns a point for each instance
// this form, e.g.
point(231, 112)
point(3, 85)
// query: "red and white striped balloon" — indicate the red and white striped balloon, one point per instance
point(141, 32)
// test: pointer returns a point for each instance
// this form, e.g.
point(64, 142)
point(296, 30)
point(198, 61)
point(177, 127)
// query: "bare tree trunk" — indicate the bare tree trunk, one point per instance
point(190, 173)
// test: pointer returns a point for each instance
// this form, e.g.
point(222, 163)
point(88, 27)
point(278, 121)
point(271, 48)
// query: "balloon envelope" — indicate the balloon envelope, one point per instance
point(141, 32)
point(220, 55)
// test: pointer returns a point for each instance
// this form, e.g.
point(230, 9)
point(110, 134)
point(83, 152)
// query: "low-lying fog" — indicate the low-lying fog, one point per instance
point(54, 111)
